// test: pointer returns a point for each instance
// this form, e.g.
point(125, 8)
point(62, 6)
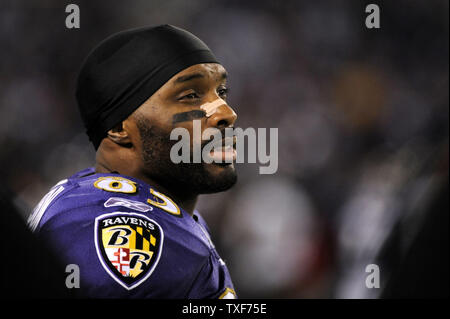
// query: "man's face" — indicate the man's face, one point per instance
point(175, 105)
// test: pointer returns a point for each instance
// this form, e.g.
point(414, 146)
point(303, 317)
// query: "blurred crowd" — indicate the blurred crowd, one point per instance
point(362, 117)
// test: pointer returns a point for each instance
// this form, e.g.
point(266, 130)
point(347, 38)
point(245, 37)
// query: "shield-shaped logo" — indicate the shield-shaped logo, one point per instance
point(129, 246)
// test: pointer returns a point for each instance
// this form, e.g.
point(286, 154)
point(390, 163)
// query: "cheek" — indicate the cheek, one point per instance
point(194, 128)
point(157, 113)
point(161, 124)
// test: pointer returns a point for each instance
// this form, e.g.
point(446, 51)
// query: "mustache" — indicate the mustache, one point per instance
point(223, 142)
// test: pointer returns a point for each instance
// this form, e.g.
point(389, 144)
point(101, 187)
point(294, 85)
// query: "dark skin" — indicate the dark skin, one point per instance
point(139, 146)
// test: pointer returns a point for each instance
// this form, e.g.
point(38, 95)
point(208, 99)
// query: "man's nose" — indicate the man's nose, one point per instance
point(224, 116)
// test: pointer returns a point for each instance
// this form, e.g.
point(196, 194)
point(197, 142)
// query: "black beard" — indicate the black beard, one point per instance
point(182, 178)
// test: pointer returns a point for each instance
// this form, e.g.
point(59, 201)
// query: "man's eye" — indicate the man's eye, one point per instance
point(222, 92)
point(190, 96)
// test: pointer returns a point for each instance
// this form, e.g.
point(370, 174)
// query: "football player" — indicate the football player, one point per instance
point(129, 223)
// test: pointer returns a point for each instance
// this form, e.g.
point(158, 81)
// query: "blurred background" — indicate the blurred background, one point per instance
point(362, 117)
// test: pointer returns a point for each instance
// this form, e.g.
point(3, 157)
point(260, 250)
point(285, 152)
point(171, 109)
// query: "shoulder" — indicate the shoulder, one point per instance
point(84, 197)
point(120, 232)
point(87, 199)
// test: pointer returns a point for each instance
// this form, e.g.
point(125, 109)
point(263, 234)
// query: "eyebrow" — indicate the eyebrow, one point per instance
point(189, 77)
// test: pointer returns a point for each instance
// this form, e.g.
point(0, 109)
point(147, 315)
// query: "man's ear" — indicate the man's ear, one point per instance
point(119, 135)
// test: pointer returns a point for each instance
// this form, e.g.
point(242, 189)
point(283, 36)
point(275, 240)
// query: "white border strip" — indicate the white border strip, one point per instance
point(39, 210)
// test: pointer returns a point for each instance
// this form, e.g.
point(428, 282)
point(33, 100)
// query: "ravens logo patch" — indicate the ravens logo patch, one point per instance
point(129, 246)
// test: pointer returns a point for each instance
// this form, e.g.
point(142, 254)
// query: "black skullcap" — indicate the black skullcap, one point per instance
point(125, 69)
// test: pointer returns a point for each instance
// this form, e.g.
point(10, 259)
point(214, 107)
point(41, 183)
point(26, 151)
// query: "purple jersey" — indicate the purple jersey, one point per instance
point(129, 240)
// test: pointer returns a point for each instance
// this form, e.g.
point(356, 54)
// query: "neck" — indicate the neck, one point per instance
point(185, 201)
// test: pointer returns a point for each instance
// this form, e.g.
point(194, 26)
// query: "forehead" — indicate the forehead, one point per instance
point(210, 71)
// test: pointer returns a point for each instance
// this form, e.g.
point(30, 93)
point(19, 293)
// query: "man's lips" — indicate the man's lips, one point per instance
point(224, 150)
point(226, 155)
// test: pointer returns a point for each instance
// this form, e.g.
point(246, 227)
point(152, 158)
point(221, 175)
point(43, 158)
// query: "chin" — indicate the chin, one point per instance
point(216, 178)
